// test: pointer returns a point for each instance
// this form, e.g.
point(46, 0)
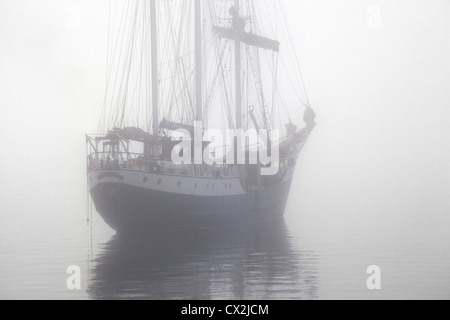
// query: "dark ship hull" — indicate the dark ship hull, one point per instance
point(125, 207)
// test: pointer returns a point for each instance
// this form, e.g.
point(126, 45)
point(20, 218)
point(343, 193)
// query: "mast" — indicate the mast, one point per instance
point(238, 34)
point(154, 47)
point(198, 61)
point(237, 59)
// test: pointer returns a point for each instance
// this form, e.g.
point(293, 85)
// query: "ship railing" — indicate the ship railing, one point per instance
point(137, 162)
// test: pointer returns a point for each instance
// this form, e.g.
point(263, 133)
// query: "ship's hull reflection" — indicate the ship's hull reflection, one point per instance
point(260, 263)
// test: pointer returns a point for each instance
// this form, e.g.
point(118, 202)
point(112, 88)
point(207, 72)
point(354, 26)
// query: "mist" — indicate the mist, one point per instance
point(377, 75)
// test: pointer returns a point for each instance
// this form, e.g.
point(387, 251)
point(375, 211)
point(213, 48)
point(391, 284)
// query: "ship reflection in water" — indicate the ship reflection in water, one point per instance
point(262, 263)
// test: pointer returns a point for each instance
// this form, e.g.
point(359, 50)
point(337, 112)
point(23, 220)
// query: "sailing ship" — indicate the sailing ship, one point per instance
point(187, 66)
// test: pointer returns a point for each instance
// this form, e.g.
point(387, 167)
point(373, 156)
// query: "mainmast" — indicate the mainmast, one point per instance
point(237, 25)
point(198, 61)
point(154, 47)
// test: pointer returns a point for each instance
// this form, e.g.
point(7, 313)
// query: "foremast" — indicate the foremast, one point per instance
point(154, 54)
point(238, 34)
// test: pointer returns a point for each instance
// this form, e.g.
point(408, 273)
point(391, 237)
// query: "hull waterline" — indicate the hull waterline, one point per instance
point(130, 208)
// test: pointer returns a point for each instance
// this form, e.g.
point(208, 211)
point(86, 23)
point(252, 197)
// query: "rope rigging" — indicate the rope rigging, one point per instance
point(128, 95)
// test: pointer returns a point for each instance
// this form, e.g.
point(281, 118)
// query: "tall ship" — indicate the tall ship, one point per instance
point(196, 130)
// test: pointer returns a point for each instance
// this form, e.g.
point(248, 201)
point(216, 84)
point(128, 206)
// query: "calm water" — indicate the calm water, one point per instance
point(316, 253)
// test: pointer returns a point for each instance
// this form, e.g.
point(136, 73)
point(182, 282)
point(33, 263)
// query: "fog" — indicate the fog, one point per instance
point(377, 74)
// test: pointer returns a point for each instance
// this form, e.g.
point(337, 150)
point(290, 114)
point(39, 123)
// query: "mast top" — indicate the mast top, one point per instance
point(238, 33)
